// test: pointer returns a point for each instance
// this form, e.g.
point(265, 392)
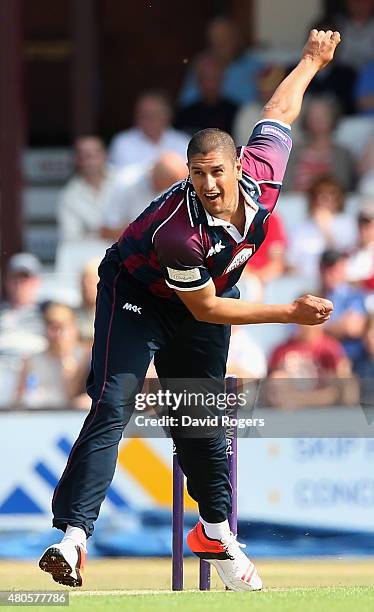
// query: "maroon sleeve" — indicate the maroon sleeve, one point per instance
point(180, 252)
point(265, 158)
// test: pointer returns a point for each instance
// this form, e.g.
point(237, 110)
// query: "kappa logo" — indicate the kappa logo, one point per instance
point(241, 257)
point(133, 308)
point(217, 248)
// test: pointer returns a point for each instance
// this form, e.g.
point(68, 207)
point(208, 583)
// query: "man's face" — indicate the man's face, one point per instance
point(90, 155)
point(334, 275)
point(319, 119)
point(61, 331)
point(209, 77)
point(327, 197)
point(152, 116)
point(366, 229)
point(215, 179)
point(223, 39)
point(21, 288)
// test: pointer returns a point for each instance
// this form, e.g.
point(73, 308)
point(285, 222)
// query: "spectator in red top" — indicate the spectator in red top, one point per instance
point(270, 261)
point(317, 361)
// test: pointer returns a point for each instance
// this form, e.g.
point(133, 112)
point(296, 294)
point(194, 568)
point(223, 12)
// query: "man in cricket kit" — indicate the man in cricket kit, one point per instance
point(167, 289)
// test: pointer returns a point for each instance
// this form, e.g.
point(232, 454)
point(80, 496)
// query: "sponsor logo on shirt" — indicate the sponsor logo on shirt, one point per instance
point(184, 276)
point(241, 257)
point(216, 248)
point(133, 308)
point(274, 131)
point(194, 203)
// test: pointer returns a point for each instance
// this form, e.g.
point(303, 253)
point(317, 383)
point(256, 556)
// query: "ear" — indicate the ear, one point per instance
point(239, 169)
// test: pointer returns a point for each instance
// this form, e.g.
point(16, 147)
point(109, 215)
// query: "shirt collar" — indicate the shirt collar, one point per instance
point(198, 214)
point(250, 209)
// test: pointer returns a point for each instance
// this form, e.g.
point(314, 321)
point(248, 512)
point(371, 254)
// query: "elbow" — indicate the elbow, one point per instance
point(202, 315)
point(275, 106)
point(278, 111)
point(205, 313)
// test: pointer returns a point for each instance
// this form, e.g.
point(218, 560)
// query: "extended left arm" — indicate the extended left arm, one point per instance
point(285, 103)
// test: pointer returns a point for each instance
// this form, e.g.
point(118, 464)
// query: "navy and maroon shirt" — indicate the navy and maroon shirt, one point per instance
point(176, 244)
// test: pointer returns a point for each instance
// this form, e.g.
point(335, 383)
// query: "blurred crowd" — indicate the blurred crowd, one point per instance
point(321, 237)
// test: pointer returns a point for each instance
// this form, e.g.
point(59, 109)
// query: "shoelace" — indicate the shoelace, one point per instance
point(232, 547)
point(240, 562)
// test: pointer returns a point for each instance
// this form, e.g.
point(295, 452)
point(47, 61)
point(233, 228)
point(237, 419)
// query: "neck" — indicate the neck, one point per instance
point(95, 180)
point(238, 206)
point(210, 100)
point(61, 352)
point(231, 209)
point(155, 137)
point(237, 218)
point(321, 139)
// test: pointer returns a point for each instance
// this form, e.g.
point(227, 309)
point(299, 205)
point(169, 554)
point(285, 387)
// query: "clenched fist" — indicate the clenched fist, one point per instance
point(320, 47)
point(311, 310)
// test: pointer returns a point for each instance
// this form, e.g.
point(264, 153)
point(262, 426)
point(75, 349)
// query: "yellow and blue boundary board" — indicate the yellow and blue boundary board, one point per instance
point(318, 483)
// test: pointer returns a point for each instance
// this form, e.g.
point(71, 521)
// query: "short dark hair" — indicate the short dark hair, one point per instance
point(157, 94)
point(330, 257)
point(208, 140)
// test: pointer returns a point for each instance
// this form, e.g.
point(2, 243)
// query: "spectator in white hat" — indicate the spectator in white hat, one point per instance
point(21, 323)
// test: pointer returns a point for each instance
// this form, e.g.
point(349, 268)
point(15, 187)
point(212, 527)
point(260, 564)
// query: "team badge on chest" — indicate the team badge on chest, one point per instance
point(240, 257)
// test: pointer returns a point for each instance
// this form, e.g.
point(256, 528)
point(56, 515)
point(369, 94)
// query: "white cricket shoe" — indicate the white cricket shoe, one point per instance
point(234, 568)
point(65, 562)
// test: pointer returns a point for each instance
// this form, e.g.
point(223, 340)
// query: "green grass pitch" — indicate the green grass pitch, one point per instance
point(143, 585)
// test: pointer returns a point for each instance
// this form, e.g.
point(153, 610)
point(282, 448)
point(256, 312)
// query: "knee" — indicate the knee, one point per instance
point(213, 445)
point(115, 399)
point(111, 412)
point(116, 388)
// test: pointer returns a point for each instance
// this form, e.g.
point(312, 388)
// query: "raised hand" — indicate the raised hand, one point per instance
point(320, 47)
point(311, 310)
